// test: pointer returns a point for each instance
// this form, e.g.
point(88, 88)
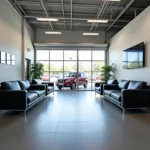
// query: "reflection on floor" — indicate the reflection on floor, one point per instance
point(90, 86)
point(75, 121)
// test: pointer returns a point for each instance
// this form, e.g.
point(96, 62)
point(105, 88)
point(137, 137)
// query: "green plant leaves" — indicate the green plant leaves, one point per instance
point(37, 70)
point(105, 73)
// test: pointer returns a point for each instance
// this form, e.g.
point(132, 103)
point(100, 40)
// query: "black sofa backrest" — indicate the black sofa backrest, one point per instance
point(24, 84)
point(137, 85)
point(123, 84)
point(10, 85)
point(112, 81)
point(36, 81)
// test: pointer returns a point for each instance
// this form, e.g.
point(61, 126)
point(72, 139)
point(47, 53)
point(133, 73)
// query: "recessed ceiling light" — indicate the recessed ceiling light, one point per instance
point(47, 19)
point(98, 20)
point(51, 32)
point(90, 33)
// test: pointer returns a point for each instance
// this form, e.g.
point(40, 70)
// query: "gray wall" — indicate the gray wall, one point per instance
point(13, 40)
point(135, 32)
point(71, 37)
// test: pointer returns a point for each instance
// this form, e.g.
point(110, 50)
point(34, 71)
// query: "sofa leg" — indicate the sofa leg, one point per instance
point(24, 113)
point(124, 111)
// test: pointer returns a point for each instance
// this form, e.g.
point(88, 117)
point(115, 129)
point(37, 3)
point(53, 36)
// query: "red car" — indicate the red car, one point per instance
point(72, 79)
point(45, 77)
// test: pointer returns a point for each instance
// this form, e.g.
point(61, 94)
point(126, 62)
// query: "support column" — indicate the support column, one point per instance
point(22, 49)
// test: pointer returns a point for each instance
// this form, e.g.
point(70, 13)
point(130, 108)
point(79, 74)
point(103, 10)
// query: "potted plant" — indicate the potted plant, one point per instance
point(106, 73)
point(37, 70)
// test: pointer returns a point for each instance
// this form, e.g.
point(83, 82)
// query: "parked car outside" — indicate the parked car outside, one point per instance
point(72, 79)
point(45, 77)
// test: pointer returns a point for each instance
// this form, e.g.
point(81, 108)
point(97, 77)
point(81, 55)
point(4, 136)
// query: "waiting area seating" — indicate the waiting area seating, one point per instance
point(49, 85)
point(99, 86)
point(20, 95)
point(128, 94)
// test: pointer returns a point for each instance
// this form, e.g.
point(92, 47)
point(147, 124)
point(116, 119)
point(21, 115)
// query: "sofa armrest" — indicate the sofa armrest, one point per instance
point(148, 86)
point(13, 100)
point(37, 87)
point(99, 83)
point(135, 98)
point(111, 87)
point(48, 83)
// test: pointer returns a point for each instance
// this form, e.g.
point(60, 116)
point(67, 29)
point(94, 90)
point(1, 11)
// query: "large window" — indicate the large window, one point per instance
point(70, 55)
point(42, 55)
point(56, 55)
point(84, 55)
point(59, 63)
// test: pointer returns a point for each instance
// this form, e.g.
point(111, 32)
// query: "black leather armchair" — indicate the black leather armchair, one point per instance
point(49, 85)
point(20, 95)
point(13, 100)
point(128, 94)
point(99, 86)
point(136, 98)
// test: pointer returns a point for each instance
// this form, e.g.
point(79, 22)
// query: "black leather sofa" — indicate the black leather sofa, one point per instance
point(49, 85)
point(99, 86)
point(20, 95)
point(128, 94)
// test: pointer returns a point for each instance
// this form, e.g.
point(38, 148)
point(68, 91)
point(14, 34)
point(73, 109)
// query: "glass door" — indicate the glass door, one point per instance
point(56, 68)
point(42, 56)
point(70, 70)
point(98, 61)
point(84, 70)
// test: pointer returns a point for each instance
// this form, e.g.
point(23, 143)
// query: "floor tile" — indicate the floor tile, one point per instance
point(65, 141)
point(28, 142)
point(75, 121)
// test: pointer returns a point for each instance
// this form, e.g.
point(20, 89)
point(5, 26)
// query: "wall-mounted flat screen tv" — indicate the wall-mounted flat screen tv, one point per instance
point(134, 57)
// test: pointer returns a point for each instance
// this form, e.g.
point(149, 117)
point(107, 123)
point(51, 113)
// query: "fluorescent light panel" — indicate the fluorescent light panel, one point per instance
point(47, 19)
point(115, 0)
point(51, 32)
point(97, 20)
point(90, 33)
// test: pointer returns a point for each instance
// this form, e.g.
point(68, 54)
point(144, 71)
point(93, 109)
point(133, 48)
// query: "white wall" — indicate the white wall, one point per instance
point(71, 37)
point(135, 32)
point(11, 41)
point(28, 42)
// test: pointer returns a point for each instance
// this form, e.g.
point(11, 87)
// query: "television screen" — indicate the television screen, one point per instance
point(134, 57)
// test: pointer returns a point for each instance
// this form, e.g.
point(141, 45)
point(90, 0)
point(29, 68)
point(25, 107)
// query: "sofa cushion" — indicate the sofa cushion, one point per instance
point(36, 81)
point(31, 97)
point(50, 88)
point(24, 84)
point(97, 88)
point(39, 92)
point(112, 81)
point(116, 96)
point(123, 84)
point(10, 85)
point(137, 85)
point(108, 92)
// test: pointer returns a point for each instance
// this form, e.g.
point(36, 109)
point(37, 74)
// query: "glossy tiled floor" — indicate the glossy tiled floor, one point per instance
point(75, 121)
